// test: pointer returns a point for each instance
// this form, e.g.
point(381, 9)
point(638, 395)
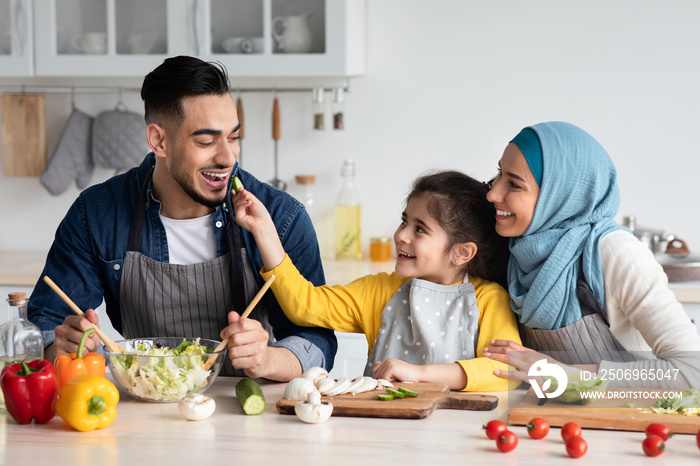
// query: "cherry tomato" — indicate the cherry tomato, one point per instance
point(653, 445)
point(697, 439)
point(493, 428)
point(660, 430)
point(538, 428)
point(506, 441)
point(570, 429)
point(576, 447)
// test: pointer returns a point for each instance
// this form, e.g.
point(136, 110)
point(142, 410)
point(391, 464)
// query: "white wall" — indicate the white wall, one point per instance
point(448, 83)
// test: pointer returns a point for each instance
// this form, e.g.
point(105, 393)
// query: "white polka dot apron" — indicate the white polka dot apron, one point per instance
point(428, 323)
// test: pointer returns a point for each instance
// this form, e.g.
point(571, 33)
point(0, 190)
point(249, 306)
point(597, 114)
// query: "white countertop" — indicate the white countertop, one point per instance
point(155, 433)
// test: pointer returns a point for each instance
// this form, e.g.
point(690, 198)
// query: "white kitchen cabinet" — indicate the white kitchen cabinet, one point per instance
point(128, 38)
point(351, 357)
point(16, 39)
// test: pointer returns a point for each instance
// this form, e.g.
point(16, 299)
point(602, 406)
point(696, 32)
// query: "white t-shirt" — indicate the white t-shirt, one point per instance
point(190, 241)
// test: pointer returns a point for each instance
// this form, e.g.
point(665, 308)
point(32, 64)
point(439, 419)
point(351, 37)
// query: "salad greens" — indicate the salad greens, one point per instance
point(688, 404)
point(159, 373)
point(577, 384)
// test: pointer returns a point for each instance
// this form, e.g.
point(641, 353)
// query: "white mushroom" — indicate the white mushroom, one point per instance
point(315, 373)
point(324, 384)
point(313, 410)
point(340, 386)
point(368, 383)
point(355, 385)
point(298, 389)
point(196, 407)
point(382, 384)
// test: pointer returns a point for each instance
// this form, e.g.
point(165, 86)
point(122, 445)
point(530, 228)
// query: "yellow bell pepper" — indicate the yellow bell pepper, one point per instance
point(70, 366)
point(88, 402)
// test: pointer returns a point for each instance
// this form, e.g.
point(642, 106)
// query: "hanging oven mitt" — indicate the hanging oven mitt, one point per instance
point(71, 158)
point(119, 139)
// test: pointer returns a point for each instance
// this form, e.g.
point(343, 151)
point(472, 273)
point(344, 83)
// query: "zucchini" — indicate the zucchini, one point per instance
point(236, 184)
point(250, 396)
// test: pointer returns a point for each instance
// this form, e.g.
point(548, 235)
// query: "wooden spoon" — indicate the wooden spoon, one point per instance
point(109, 343)
point(245, 314)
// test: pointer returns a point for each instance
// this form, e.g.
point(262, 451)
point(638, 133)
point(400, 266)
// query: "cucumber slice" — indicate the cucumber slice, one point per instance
point(250, 396)
point(385, 396)
point(236, 184)
point(396, 393)
point(407, 392)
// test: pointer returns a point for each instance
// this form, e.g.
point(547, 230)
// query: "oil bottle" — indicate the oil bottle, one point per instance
point(348, 216)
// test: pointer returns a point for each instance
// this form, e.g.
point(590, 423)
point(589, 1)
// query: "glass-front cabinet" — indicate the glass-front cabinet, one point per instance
point(250, 37)
point(16, 40)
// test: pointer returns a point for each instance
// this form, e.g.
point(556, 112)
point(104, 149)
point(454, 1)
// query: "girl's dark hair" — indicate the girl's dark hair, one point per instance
point(458, 202)
point(176, 78)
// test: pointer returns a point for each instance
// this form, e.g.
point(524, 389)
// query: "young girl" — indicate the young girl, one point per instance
point(584, 289)
point(440, 306)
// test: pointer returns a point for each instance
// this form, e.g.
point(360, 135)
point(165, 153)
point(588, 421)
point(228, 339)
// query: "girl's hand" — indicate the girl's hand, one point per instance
point(251, 214)
point(396, 370)
point(515, 355)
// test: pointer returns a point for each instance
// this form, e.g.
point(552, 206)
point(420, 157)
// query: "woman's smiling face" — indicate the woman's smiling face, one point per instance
point(514, 193)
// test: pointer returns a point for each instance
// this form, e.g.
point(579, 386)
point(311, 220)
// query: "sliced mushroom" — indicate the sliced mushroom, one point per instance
point(355, 385)
point(298, 389)
point(368, 384)
point(340, 386)
point(325, 384)
point(315, 373)
point(382, 384)
point(313, 410)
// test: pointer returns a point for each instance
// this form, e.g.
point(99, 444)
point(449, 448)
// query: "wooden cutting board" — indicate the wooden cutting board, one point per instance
point(23, 134)
point(611, 414)
point(431, 396)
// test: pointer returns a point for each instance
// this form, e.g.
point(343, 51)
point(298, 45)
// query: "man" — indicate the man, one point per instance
point(161, 246)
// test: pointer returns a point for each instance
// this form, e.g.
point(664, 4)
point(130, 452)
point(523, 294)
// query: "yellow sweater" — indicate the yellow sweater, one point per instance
point(357, 308)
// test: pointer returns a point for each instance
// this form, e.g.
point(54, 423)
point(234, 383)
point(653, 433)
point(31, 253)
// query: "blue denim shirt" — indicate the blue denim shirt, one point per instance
point(87, 256)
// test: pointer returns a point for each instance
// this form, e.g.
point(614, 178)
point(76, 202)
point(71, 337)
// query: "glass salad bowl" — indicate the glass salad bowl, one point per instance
point(165, 369)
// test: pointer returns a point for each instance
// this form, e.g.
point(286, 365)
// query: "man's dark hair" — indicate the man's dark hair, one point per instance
point(176, 78)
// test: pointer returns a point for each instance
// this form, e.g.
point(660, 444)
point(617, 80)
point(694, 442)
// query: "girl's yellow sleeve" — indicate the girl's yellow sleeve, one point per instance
point(496, 322)
point(353, 308)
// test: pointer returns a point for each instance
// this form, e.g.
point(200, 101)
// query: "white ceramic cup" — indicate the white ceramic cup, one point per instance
point(91, 42)
point(142, 43)
point(252, 45)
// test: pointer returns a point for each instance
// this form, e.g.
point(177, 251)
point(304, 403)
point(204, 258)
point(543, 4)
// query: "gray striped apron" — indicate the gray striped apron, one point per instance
point(175, 300)
point(587, 341)
point(427, 323)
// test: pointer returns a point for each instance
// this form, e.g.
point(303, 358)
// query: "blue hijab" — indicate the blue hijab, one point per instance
point(578, 201)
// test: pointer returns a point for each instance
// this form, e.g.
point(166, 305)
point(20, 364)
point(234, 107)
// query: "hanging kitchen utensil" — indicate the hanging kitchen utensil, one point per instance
point(241, 131)
point(119, 138)
point(71, 159)
point(276, 182)
point(23, 134)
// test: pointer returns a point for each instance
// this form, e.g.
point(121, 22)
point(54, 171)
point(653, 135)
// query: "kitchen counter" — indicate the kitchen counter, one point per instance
point(155, 433)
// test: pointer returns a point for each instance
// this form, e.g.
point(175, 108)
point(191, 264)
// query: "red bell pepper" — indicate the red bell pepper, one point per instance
point(30, 390)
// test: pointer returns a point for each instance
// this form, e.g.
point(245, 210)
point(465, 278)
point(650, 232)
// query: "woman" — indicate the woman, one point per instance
point(585, 290)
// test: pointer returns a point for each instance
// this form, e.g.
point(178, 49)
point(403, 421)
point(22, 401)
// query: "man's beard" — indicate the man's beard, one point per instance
point(187, 185)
